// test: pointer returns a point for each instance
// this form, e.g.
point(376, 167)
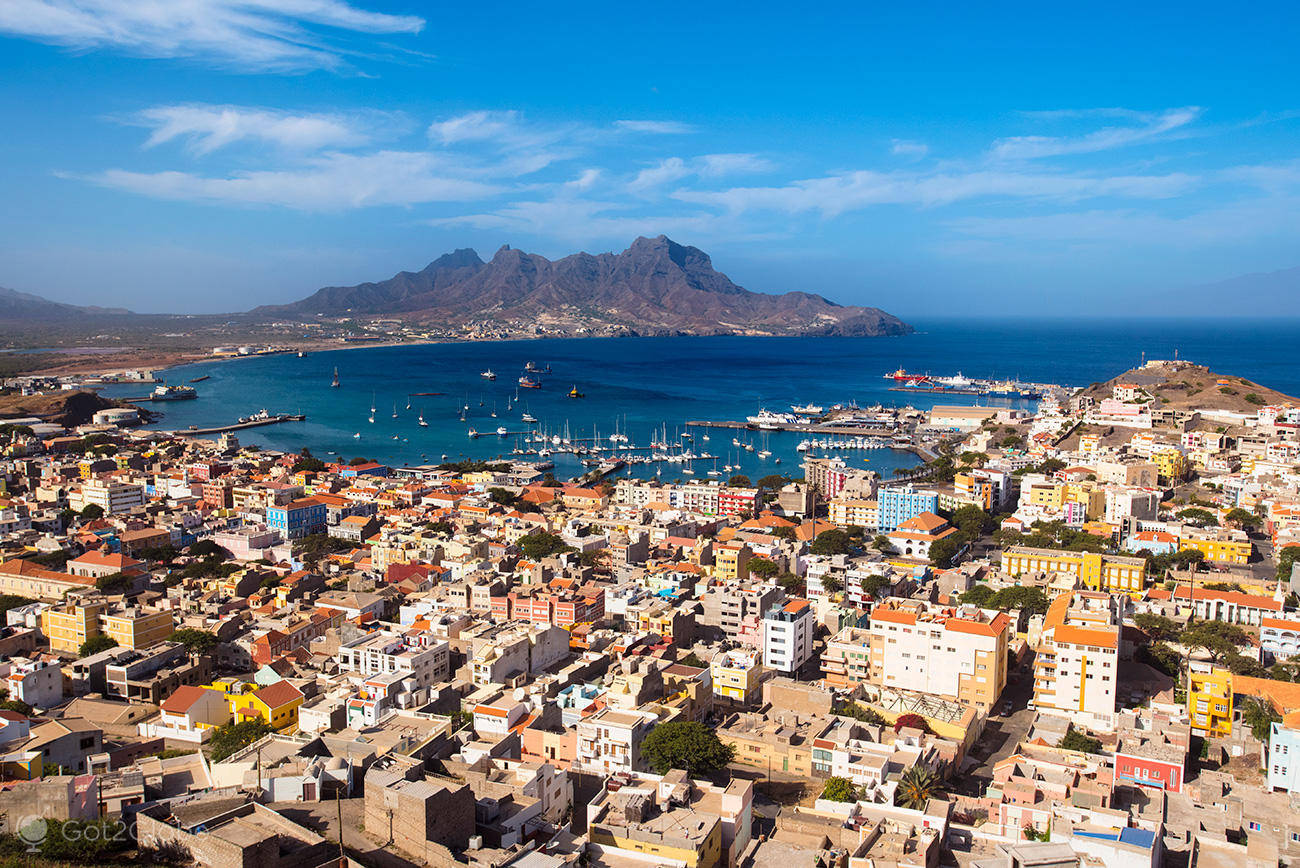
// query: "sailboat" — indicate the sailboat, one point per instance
point(423, 424)
point(408, 403)
point(394, 409)
point(372, 407)
point(334, 384)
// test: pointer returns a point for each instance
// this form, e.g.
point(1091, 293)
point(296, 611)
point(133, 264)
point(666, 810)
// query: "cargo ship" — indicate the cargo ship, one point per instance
point(529, 383)
point(173, 393)
point(902, 376)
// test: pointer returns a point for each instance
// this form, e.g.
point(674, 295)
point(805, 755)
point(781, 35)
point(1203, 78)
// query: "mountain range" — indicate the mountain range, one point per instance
point(656, 286)
point(18, 306)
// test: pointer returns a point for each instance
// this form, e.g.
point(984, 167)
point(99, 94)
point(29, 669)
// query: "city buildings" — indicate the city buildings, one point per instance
point(1077, 662)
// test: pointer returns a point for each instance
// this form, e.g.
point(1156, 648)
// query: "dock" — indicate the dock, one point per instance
point(240, 426)
point(800, 427)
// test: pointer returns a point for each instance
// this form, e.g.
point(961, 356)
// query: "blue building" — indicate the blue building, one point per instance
point(1284, 755)
point(898, 503)
point(297, 518)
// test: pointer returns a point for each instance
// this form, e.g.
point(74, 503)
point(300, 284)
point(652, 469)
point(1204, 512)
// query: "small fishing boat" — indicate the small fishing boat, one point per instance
point(574, 393)
point(489, 374)
point(529, 383)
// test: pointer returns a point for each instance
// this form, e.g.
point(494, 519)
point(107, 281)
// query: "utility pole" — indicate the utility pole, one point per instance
point(338, 801)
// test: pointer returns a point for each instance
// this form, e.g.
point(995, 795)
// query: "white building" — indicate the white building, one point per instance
point(788, 635)
point(610, 740)
point(1077, 662)
point(108, 496)
point(383, 653)
point(34, 682)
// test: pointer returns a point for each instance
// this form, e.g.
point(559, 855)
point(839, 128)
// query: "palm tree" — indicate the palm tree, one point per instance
point(916, 787)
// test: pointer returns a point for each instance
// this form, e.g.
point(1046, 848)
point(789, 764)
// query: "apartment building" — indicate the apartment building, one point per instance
point(1209, 702)
point(898, 503)
point(499, 652)
point(386, 653)
point(957, 654)
point(735, 676)
point(731, 606)
point(788, 635)
point(1078, 659)
point(112, 497)
point(731, 561)
point(610, 740)
point(1109, 573)
point(846, 662)
point(845, 512)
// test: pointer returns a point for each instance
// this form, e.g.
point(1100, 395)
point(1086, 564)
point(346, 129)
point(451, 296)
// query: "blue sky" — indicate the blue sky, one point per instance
point(217, 154)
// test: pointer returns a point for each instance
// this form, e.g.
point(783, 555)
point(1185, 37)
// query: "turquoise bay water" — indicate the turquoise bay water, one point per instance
point(642, 384)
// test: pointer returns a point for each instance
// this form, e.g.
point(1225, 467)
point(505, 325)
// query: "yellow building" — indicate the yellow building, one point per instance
point(132, 628)
point(735, 676)
point(1099, 572)
point(1088, 494)
point(1222, 547)
point(731, 561)
point(67, 627)
point(1171, 464)
point(276, 704)
point(676, 834)
point(1209, 702)
point(974, 489)
point(862, 513)
point(1048, 495)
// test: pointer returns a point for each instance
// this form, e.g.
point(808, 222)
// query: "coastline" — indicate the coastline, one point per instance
point(180, 358)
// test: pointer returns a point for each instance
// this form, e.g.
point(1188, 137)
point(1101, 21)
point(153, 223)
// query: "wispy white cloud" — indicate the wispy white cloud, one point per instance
point(910, 150)
point(1147, 128)
point(501, 127)
point(331, 182)
point(708, 166)
point(662, 128)
point(836, 194)
point(258, 35)
point(207, 128)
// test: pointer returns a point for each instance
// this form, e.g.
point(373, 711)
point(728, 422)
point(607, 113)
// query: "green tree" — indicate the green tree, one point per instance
point(740, 480)
point(1285, 559)
point(234, 737)
point(832, 583)
point(1252, 398)
point(687, 745)
point(540, 544)
point(13, 601)
point(115, 583)
point(91, 511)
point(831, 542)
point(873, 584)
point(206, 548)
point(1218, 638)
point(17, 706)
point(917, 786)
point(1260, 716)
point(944, 551)
point(1239, 517)
point(1197, 516)
point(442, 527)
point(95, 644)
point(694, 660)
point(979, 595)
point(880, 542)
point(1078, 741)
point(1158, 627)
point(460, 718)
point(783, 532)
point(773, 482)
point(839, 790)
point(197, 641)
point(849, 708)
point(972, 521)
point(763, 568)
point(1030, 600)
point(503, 496)
point(308, 464)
